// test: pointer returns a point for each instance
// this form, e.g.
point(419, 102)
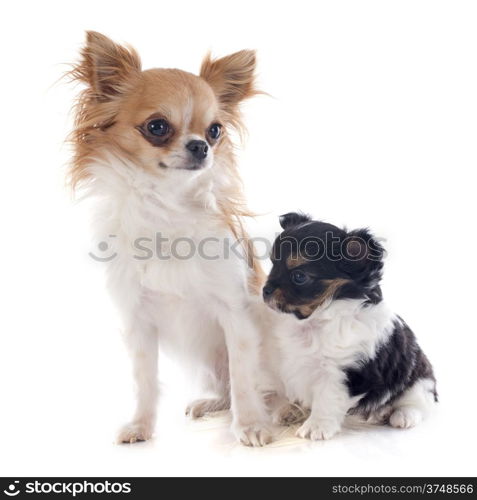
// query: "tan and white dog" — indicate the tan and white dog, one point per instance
point(153, 149)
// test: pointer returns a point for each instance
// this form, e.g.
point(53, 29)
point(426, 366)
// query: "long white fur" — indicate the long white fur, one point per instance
point(198, 309)
point(308, 358)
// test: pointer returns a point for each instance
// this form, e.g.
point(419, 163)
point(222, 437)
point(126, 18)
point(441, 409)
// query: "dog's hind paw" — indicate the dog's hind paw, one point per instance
point(201, 407)
point(289, 414)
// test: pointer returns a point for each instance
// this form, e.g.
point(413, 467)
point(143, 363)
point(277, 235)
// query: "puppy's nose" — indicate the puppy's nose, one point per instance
point(267, 291)
point(199, 149)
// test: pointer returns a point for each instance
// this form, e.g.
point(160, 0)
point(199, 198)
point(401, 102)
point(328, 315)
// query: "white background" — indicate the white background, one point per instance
point(372, 122)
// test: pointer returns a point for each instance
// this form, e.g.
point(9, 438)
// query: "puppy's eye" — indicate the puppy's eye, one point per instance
point(158, 127)
point(299, 277)
point(214, 131)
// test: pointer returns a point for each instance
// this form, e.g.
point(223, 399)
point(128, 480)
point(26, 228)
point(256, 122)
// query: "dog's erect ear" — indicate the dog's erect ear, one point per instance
point(361, 251)
point(293, 219)
point(106, 66)
point(231, 77)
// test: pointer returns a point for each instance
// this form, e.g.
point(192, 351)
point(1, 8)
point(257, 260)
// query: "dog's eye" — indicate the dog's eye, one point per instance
point(214, 131)
point(158, 127)
point(299, 277)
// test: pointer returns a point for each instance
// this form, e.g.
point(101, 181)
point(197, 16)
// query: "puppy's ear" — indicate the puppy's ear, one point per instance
point(361, 252)
point(231, 77)
point(106, 67)
point(292, 219)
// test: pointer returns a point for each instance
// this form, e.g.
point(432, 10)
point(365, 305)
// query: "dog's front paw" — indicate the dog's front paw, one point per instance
point(405, 418)
point(252, 435)
point(318, 429)
point(134, 432)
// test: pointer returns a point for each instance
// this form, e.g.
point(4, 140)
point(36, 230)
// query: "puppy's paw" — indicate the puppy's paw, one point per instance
point(200, 407)
point(318, 429)
point(134, 432)
point(252, 435)
point(405, 418)
point(288, 414)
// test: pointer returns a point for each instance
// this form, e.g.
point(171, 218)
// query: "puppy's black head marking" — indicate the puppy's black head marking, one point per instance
point(293, 219)
point(315, 263)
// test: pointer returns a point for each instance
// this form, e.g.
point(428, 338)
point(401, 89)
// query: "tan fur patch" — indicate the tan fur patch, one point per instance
point(277, 300)
point(257, 278)
point(332, 287)
point(295, 260)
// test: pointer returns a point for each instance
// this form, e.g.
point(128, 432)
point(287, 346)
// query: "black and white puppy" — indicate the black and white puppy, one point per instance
point(341, 349)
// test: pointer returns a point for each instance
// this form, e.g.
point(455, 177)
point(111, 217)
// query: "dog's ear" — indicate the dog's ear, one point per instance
point(106, 67)
point(361, 252)
point(292, 219)
point(231, 77)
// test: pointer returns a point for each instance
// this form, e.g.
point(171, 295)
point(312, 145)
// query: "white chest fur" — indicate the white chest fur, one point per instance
point(328, 342)
point(166, 233)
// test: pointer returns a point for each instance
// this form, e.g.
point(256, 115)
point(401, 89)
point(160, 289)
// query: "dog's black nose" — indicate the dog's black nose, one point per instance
point(199, 149)
point(267, 291)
